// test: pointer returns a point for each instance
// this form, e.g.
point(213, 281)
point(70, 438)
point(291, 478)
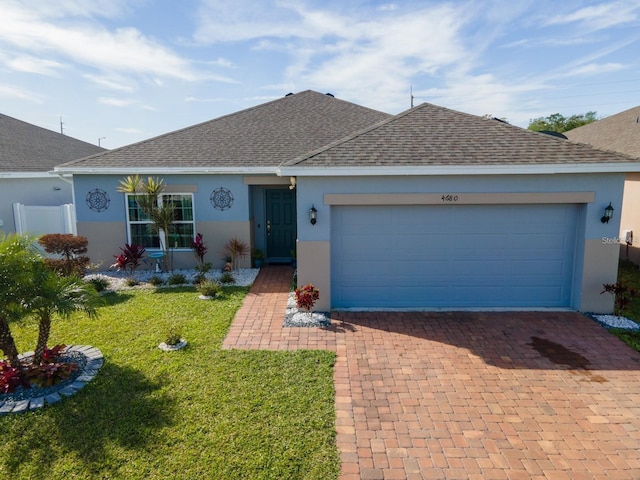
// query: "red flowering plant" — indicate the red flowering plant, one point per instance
point(306, 297)
point(199, 249)
point(129, 258)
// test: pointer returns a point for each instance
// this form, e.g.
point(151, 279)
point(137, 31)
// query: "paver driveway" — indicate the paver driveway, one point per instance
point(466, 395)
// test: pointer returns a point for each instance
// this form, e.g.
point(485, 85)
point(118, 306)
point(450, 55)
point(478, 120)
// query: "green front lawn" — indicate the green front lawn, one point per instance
point(197, 413)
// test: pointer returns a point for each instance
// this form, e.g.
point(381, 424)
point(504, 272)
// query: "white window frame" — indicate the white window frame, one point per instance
point(161, 234)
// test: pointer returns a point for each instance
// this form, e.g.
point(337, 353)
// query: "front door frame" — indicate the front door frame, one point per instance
point(284, 255)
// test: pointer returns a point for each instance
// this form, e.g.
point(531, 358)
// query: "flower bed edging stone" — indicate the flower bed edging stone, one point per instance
point(165, 347)
point(94, 361)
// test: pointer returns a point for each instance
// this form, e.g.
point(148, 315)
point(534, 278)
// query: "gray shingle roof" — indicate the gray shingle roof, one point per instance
point(27, 148)
point(619, 133)
point(429, 135)
point(261, 136)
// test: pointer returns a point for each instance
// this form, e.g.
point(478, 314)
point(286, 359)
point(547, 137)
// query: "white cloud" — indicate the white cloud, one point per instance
point(595, 69)
point(388, 7)
point(116, 102)
point(89, 44)
point(601, 16)
point(81, 8)
point(30, 64)
point(12, 92)
point(222, 62)
point(117, 84)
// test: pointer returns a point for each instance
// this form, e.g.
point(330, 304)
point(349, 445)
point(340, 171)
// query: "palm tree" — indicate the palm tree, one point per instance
point(63, 296)
point(147, 197)
point(17, 260)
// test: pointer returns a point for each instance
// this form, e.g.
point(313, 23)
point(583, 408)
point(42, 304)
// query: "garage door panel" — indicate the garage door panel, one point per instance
point(542, 241)
point(452, 256)
point(545, 269)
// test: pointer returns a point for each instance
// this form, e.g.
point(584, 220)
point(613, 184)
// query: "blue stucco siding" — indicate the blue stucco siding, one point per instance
point(607, 188)
point(203, 209)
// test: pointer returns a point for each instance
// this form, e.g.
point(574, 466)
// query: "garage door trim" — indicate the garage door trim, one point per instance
point(458, 198)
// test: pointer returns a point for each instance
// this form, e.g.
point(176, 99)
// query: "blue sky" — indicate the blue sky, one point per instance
point(128, 70)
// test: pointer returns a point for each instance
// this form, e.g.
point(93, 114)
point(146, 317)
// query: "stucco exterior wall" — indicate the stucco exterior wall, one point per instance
point(107, 231)
point(630, 218)
point(595, 263)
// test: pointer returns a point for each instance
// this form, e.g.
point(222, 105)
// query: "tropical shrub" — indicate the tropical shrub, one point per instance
point(209, 288)
point(130, 258)
point(156, 281)
point(54, 295)
point(11, 378)
point(99, 283)
point(227, 277)
point(236, 249)
point(174, 337)
point(199, 249)
point(177, 279)
point(70, 247)
point(306, 297)
point(48, 374)
point(622, 295)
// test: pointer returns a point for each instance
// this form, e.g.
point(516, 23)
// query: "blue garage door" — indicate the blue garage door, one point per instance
point(452, 256)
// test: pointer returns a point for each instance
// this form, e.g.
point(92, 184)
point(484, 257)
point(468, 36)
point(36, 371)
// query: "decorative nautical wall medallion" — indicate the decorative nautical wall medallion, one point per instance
point(221, 199)
point(98, 200)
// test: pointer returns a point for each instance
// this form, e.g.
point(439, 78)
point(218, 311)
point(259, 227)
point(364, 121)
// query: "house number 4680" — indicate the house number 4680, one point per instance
point(449, 198)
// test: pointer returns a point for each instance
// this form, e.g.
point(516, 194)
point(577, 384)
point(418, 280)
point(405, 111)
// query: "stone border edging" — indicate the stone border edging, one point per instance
point(95, 360)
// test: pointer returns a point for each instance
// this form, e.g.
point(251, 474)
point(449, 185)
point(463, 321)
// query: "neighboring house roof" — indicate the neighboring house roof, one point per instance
point(257, 138)
point(433, 139)
point(619, 133)
point(27, 148)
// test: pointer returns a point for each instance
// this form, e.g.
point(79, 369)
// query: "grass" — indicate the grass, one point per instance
point(629, 275)
point(198, 413)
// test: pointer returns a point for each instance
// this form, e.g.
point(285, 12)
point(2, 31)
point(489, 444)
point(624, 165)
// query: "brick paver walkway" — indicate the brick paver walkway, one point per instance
point(466, 395)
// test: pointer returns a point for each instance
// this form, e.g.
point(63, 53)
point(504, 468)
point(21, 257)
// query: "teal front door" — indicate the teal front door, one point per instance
point(281, 224)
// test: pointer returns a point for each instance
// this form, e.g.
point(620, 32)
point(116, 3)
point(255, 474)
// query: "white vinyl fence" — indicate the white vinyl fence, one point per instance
point(40, 220)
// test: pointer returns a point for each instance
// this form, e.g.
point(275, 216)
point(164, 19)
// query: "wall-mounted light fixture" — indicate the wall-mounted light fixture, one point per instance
point(313, 215)
point(608, 213)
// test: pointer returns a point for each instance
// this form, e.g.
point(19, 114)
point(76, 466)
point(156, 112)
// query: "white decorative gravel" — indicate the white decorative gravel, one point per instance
point(243, 277)
point(295, 318)
point(617, 322)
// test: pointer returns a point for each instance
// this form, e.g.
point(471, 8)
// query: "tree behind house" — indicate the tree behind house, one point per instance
point(559, 123)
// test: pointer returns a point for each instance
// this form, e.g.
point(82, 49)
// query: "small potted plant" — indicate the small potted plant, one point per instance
point(257, 256)
point(209, 289)
point(173, 342)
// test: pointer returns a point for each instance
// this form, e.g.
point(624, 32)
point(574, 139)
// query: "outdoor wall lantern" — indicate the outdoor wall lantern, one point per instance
point(608, 213)
point(313, 215)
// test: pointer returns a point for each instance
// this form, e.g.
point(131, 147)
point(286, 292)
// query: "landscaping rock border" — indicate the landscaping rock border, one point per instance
point(615, 321)
point(293, 317)
point(10, 403)
point(165, 347)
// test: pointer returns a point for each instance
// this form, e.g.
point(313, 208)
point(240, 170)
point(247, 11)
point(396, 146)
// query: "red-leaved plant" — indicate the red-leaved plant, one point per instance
point(11, 378)
point(48, 373)
point(129, 258)
point(199, 248)
point(306, 297)
point(622, 295)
